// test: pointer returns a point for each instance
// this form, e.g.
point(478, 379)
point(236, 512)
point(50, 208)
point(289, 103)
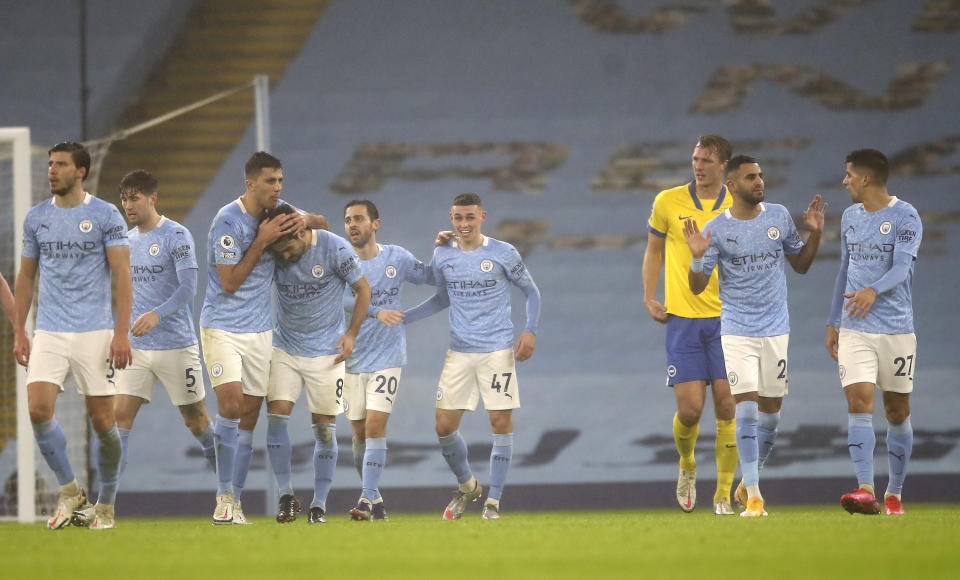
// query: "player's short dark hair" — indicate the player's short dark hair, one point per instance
point(258, 162)
point(371, 209)
point(723, 147)
point(736, 161)
point(140, 181)
point(79, 154)
point(468, 199)
point(282, 209)
point(873, 161)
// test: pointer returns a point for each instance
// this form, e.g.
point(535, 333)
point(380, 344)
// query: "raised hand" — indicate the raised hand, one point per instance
point(695, 240)
point(813, 217)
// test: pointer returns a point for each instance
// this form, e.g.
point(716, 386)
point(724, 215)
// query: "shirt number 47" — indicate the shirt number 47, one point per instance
point(496, 386)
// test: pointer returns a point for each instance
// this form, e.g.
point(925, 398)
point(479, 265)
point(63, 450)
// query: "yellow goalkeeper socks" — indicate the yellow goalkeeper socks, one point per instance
point(727, 457)
point(686, 438)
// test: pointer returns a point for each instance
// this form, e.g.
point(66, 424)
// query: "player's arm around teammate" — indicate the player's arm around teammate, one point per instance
point(270, 230)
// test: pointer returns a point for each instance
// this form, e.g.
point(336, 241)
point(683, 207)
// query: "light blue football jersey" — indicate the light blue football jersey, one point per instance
point(478, 285)
point(248, 309)
point(751, 257)
point(310, 318)
point(868, 242)
point(70, 245)
point(155, 259)
point(378, 346)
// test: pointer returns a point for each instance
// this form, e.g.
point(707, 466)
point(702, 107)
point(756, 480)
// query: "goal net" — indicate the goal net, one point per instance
point(23, 184)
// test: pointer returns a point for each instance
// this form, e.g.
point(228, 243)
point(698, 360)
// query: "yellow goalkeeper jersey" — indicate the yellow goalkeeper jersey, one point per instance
point(671, 208)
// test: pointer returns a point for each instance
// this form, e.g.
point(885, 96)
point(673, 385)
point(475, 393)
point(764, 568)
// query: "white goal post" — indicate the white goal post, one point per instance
point(19, 139)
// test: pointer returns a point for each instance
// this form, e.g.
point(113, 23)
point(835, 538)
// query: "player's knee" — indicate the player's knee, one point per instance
point(323, 432)
point(689, 416)
point(40, 413)
point(101, 421)
point(895, 416)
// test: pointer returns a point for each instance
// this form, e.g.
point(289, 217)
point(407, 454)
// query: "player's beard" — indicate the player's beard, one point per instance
point(66, 189)
point(361, 240)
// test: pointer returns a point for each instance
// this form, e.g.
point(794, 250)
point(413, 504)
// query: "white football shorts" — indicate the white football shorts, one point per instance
point(756, 364)
point(322, 377)
point(468, 376)
point(238, 357)
point(376, 391)
point(178, 369)
point(889, 361)
point(85, 354)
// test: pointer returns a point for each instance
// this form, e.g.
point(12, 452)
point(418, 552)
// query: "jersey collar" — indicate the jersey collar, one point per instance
point(87, 198)
point(691, 187)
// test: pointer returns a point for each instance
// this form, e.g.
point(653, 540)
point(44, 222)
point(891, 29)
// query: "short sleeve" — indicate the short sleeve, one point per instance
point(348, 265)
point(415, 271)
point(114, 229)
point(658, 223)
point(792, 242)
point(224, 242)
point(31, 249)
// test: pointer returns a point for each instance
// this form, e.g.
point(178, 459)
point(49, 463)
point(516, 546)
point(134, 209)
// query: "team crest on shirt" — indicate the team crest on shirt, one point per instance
point(317, 271)
point(671, 371)
point(216, 370)
point(773, 233)
point(226, 241)
point(154, 249)
point(486, 266)
point(732, 378)
point(843, 372)
point(439, 394)
point(86, 226)
point(885, 228)
point(390, 272)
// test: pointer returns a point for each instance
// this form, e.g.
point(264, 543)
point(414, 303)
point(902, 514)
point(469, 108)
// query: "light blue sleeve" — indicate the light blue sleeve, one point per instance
point(184, 252)
point(224, 242)
point(30, 247)
point(348, 265)
point(435, 303)
point(896, 275)
point(114, 228)
point(182, 295)
point(909, 234)
point(836, 303)
point(792, 242)
point(428, 307)
point(416, 272)
point(519, 275)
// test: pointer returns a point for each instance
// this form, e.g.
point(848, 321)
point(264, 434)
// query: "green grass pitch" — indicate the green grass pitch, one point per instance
point(793, 542)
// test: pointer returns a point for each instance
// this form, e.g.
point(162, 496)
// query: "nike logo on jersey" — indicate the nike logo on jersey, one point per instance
point(748, 436)
point(449, 266)
point(44, 227)
point(733, 241)
point(857, 445)
point(684, 217)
